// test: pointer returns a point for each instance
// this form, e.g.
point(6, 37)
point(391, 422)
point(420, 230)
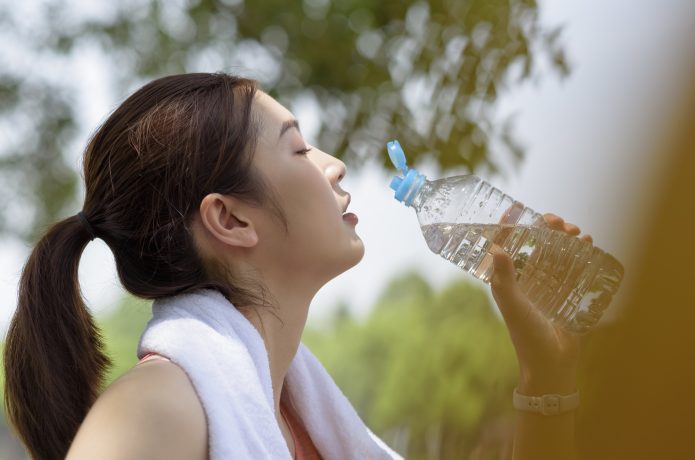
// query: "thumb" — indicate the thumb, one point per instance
point(510, 299)
point(504, 272)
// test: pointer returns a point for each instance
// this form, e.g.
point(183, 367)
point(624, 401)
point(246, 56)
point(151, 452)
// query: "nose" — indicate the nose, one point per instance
point(336, 170)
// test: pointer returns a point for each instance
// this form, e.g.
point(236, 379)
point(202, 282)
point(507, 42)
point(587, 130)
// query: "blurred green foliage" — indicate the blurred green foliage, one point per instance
point(428, 73)
point(428, 371)
point(121, 330)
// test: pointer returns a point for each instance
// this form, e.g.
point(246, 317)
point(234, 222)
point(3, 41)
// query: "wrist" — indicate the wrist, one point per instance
point(538, 385)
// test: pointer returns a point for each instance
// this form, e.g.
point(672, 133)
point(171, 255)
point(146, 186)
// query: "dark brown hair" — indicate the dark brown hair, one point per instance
point(146, 171)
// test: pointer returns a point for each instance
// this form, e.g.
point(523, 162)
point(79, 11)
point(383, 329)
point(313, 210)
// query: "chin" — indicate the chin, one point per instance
point(351, 257)
point(356, 254)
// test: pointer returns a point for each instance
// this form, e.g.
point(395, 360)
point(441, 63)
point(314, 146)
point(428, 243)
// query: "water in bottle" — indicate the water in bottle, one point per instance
point(463, 219)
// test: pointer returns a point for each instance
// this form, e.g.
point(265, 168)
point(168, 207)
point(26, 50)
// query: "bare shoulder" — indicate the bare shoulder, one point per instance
point(151, 411)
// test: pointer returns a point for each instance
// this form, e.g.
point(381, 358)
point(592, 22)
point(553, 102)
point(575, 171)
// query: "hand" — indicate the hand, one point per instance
point(548, 355)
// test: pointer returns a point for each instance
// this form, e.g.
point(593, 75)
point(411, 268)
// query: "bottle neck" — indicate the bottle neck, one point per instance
point(420, 195)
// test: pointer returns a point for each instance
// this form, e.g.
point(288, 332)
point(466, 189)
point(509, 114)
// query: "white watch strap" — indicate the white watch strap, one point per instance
point(549, 404)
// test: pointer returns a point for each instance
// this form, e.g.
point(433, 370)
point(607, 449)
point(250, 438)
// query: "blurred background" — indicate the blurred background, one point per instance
point(583, 109)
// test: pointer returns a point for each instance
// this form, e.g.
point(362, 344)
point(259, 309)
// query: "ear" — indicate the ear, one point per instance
point(227, 220)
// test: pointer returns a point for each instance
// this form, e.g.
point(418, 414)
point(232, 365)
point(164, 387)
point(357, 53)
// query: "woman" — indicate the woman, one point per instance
point(202, 181)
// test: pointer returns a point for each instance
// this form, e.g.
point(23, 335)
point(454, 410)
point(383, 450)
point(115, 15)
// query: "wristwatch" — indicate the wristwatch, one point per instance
point(550, 404)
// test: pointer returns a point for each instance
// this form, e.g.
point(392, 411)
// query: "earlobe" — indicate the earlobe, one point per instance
point(226, 220)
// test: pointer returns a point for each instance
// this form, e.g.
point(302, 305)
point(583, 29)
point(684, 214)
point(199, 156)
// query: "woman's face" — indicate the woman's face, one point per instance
point(319, 242)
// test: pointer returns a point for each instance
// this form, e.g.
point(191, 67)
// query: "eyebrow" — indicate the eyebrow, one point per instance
point(287, 125)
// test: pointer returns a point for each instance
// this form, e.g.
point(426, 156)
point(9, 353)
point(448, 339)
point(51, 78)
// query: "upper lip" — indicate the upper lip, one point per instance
point(347, 204)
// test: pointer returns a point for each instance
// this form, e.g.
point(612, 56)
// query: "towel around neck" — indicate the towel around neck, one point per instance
point(226, 360)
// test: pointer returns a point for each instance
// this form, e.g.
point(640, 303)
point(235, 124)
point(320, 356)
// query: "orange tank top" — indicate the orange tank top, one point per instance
point(303, 445)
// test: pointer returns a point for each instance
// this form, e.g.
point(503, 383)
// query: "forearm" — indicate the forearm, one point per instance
point(541, 437)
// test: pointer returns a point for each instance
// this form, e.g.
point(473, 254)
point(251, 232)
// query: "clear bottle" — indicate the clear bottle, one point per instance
point(463, 218)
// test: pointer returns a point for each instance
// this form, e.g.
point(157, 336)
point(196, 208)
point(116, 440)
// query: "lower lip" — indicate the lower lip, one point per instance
point(350, 217)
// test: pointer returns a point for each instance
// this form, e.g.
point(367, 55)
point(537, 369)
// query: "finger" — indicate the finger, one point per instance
point(506, 290)
point(587, 238)
point(572, 229)
point(554, 221)
point(550, 217)
point(510, 215)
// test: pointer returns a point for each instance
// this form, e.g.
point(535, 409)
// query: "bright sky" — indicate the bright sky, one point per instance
point(586, 137)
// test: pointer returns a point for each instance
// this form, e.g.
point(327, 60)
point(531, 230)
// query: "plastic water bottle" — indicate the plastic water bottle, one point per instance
point(463, 218)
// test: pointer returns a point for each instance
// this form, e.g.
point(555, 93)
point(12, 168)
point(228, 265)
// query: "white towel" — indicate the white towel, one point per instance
point(225, 357)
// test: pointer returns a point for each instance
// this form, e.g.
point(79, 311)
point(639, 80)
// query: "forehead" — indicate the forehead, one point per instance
point(270, 112)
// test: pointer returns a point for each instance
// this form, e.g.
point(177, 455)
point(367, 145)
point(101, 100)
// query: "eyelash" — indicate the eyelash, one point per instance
point(303, 151)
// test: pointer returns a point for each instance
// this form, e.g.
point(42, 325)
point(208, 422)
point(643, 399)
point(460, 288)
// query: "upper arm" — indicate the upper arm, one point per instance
point(150, 413)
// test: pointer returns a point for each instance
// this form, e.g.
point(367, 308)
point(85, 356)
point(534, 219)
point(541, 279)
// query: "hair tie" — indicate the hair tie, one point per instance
point(86, 225)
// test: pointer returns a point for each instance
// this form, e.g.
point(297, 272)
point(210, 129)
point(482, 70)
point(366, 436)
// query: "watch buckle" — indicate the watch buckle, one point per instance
point(550, 404)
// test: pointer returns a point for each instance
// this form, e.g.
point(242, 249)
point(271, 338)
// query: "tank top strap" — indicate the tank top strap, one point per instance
point(152, 355)
point(303, 445)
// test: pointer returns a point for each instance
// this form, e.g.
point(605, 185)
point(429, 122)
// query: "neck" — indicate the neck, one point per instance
point(281, 329)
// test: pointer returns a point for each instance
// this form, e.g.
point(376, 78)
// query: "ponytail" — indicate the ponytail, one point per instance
point(54, 355)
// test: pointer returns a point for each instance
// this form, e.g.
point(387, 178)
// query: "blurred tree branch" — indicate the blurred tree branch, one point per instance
point(426, 73)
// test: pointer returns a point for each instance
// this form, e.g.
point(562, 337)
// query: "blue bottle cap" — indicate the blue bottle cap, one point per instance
point(405, 187)
point(397, 155)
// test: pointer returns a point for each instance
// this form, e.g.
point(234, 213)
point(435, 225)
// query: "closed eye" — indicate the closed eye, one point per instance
point(303, 151)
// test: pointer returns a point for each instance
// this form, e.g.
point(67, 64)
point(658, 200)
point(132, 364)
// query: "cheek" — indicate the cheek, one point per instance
point(312, 211)
point(307, 199)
